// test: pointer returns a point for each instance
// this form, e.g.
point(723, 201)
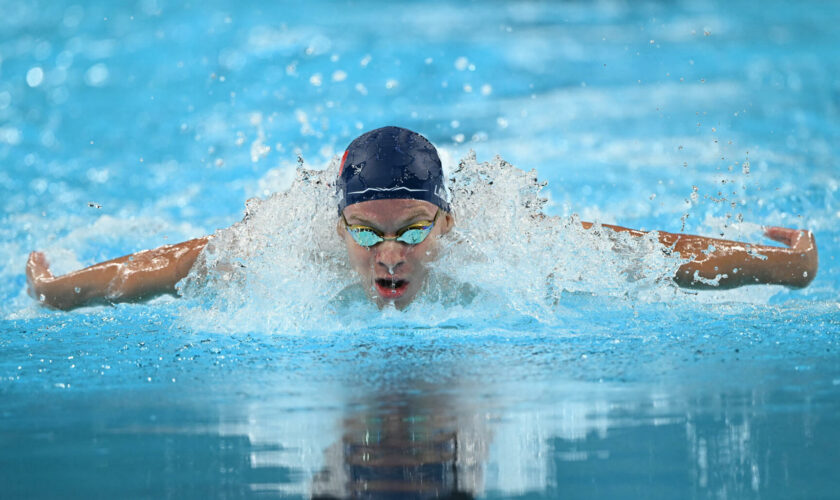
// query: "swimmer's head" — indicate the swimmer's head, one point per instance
point(393, 211)
point(390, 163)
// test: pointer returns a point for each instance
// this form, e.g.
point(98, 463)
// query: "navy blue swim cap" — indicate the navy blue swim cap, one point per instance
point(390, 163)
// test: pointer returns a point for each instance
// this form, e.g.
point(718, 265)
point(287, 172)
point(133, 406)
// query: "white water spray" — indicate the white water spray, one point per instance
point(284, 268)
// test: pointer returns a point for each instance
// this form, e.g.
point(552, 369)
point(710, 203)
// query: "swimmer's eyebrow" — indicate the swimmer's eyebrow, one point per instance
point(418, 215)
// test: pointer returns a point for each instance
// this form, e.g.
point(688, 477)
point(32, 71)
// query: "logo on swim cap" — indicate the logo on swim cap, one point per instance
point(390, 163)
point(341, 167)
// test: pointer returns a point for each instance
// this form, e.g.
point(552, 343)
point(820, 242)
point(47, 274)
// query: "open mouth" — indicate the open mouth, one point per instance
point(391, 288)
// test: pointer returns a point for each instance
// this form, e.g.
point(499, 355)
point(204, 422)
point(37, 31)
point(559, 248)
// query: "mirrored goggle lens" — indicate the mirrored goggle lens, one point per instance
point(365, 237)
point(415, 236)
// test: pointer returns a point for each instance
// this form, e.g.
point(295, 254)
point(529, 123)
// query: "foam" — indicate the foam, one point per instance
point(278, 268)
point(505, 262)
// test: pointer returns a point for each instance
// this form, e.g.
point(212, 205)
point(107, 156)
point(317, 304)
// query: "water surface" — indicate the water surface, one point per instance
point(126, 127)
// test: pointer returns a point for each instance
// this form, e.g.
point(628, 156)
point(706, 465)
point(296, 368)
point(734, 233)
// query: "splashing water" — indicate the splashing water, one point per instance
point(283, 267)
point(278, 268)
point(527, 262)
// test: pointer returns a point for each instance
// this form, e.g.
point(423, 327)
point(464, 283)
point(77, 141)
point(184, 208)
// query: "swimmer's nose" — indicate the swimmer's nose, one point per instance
point(390, 255)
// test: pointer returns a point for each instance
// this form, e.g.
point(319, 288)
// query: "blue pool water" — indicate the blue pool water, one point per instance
point(124, 127)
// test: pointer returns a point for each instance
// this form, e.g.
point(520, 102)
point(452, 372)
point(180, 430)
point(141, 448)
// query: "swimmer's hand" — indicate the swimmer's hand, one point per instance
point(38, 276)
point(722, 264)
point(797, 265)
point(129, 278)
point(87, 286)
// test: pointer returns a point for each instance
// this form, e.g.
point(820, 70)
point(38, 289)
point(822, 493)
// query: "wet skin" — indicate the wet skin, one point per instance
point(393, 272)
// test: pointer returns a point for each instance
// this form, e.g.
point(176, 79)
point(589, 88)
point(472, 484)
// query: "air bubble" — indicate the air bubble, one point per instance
point(97, 75)
point(35, 76)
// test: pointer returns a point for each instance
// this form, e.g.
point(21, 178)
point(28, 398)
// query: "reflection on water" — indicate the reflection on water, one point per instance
point(409, 447)
point(428, 441)
point(436, 412)
point(385, 414)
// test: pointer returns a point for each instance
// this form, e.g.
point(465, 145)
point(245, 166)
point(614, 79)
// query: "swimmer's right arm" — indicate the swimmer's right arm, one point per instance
point(716, 264)
point(129, 278)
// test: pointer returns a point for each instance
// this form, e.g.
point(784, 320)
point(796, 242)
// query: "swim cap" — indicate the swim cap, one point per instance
point(390, 163)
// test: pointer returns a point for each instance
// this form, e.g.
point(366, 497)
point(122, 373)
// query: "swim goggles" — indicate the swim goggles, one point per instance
point(413, 234)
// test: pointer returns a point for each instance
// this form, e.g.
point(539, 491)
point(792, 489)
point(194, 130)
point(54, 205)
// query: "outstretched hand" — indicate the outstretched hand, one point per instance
point(38, 274)
point(802, 249)
point(797, 239)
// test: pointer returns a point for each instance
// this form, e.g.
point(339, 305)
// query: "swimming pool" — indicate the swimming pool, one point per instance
point(125, 127)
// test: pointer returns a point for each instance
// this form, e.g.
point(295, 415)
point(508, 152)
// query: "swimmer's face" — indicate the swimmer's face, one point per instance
point(392, 271)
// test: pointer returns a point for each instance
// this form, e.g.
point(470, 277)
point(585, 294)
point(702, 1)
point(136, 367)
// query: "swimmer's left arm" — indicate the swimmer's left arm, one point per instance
point(722, 264)
point(134, 277)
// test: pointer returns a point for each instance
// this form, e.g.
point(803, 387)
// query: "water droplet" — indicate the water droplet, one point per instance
point(97, 75)
point(35, 76)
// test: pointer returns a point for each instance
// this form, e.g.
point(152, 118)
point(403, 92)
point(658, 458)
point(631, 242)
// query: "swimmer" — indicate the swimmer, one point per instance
point(392, 214)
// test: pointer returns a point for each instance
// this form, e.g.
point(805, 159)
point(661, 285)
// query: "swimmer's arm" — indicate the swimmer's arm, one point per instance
point(736, 263)
point(129, 278)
